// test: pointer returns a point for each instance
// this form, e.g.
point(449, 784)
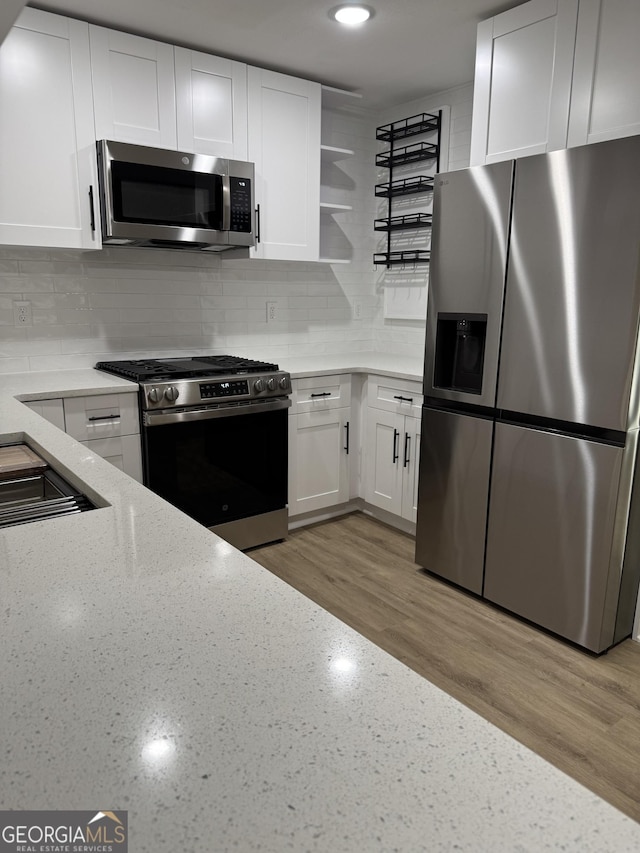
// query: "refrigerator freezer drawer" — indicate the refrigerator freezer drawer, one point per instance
point(551, 531)
point(455, 458)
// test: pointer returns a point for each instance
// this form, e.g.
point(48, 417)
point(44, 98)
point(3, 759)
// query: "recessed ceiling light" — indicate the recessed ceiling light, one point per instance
point(351, 14)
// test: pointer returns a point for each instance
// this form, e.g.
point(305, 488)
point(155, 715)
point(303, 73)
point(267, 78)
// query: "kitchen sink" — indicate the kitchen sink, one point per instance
point(37, 493)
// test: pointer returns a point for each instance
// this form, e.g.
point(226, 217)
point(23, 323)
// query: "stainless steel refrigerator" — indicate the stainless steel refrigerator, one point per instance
point(527, 491)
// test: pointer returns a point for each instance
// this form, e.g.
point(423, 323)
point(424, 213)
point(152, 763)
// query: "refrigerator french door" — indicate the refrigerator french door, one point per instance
point(560, 537)
point(464, 317)
point(560, 545)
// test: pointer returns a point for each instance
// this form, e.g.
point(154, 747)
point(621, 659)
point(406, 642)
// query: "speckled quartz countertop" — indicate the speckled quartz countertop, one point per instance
point(147, 665)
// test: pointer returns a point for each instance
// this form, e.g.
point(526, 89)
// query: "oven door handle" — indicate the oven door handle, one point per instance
point(167, 416)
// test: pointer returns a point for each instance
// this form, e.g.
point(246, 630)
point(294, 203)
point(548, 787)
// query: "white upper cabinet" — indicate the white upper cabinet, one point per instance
point(524, 64)
point(47, 141)
point(133, 88)
point(284, 144)
point(211, 102)
point(605, 100)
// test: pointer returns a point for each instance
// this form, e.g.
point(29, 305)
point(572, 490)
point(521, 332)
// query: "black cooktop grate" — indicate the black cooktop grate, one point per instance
point(144, 370)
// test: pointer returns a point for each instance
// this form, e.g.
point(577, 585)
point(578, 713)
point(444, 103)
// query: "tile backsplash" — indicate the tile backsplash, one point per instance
point(129, 303)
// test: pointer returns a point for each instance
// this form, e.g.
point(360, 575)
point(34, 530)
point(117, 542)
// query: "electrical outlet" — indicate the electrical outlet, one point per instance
point(357, 310)
point(272, 312)
point(22, 315)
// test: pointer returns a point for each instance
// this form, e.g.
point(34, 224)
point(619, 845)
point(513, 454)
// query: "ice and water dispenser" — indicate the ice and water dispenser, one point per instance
point(459, 352)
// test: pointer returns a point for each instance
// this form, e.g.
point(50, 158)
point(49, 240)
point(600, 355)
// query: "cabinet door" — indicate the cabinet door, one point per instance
point(605, 96)
point(410, 466)
point(46, 134)
point(524, 63)
point(50, 410)
point(123, 451)
point(318, 460)
point(284, 144)
point(211, 103)
point(133, 88)
point(382, 460)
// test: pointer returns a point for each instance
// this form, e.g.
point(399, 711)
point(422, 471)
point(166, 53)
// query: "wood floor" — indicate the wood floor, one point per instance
point(581, 713)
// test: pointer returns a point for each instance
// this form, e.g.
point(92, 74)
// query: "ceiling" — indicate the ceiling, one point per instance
point(411, 48)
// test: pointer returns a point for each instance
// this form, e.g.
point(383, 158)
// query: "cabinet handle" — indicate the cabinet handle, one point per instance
point(324, 394)
point(346, 447)
point(92, 210)
point(407, 444)
point(403, 399)
point(257, 223)
point(396, 435)
point(104, 418)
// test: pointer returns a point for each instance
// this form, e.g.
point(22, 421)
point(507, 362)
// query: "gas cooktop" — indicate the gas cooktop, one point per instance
point(159, 369)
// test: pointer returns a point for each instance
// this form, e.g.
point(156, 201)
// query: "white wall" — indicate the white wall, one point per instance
point(128, 303)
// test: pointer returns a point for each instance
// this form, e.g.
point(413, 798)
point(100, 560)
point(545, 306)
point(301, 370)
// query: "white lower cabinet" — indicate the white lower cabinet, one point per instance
point(319, 443)
point(50, 410)
point(123, 451)
point(391, 461)
point(390, 458)
point(108, 425)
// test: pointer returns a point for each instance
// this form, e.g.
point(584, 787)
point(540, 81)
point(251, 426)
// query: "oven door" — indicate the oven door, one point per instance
point(222, 465)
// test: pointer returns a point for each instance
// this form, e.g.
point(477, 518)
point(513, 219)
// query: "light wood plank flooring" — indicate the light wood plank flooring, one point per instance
point(580, 712)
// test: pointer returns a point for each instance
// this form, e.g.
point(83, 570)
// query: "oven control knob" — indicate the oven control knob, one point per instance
point(258, 385)
point(155, 395)
point(172, 393)
point(284, 383)
point(272, 384)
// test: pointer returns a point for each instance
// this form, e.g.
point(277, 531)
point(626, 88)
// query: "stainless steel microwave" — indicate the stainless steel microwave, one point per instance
point(173, 199)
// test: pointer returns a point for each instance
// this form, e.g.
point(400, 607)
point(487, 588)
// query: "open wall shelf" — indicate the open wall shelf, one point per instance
point(411, 256)
point(403, 223)
point(405, 186)
point(412, 126)
point(415, 153)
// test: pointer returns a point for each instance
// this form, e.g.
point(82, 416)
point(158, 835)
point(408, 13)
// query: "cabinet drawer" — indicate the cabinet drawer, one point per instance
point(316, 393)
point(101, 416)
point(123, 451)
point(394, 395)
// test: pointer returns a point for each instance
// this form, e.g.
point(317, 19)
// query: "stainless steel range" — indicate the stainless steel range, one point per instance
point(214, 440)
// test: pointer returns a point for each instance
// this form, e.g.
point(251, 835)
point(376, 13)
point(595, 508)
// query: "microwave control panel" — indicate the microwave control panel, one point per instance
point(240, 202)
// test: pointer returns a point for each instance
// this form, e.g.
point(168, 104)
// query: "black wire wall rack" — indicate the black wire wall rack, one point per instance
point(405, 186)
point(403, 223)
point(393, 157)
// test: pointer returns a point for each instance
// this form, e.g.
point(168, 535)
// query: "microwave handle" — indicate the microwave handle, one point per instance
point(92, 210)
point(226, 203)
point(257, 223)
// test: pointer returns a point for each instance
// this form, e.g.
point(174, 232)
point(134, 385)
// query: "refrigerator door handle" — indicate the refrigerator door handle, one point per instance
point(396, 436)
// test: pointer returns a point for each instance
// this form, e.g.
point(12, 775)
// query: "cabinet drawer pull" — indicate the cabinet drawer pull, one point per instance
point(396, 435)
point(346, 447)
point(324, 394)
point(407, 445)
point(403, 399)
point(104, 418)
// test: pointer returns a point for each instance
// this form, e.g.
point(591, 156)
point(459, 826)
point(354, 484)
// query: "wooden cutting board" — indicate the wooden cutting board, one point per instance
point(19, 460)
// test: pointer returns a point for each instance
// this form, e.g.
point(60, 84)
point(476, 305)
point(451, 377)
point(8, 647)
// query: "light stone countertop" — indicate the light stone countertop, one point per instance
point(400, 367)
point(147, 665)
